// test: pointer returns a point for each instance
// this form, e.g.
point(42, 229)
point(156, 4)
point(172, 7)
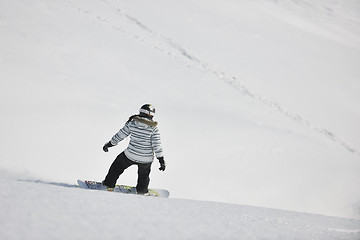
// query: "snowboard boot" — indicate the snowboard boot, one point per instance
point(106, 187)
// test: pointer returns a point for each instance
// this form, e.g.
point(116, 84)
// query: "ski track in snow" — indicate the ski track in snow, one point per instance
point(179, 53)
point(49, 183)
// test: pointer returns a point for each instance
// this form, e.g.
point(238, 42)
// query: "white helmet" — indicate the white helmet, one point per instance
point(147, 111)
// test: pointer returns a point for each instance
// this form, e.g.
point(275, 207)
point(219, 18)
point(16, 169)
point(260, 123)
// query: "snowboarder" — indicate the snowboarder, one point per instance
point(144, 142)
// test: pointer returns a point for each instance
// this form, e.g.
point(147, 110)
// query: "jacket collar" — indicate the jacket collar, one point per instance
point(146, 121)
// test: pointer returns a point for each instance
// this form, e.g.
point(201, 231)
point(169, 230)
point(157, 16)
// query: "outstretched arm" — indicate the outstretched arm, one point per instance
point(119, 136)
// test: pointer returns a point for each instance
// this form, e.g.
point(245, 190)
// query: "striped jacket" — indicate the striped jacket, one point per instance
point(144, 140)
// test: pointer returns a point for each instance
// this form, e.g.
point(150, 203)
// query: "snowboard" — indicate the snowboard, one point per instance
point(122, 189)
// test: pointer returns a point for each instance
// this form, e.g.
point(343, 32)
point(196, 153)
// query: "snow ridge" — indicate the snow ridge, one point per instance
point(178, 52)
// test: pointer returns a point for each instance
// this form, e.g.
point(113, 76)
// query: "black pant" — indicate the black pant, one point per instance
point(120, 164)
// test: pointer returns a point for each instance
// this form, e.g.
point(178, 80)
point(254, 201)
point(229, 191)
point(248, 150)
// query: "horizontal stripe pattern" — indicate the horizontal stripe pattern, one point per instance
point(144, 141)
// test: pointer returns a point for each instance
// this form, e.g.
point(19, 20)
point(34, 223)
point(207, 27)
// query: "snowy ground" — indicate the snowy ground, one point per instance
point(257, 101)
point(47, 210)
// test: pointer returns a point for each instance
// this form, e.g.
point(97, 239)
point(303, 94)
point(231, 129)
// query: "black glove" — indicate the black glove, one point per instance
point(162, 163)
point(106, 146)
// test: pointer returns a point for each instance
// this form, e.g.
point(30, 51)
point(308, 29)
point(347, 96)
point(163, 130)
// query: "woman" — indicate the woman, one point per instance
point(144, 143)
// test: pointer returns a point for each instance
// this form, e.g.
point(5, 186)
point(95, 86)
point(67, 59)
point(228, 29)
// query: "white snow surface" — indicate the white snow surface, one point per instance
point(257, 103)
point(33, 209)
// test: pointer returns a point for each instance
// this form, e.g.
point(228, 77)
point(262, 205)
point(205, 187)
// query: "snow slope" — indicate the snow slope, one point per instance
point(257, 100)
point(50, 210)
